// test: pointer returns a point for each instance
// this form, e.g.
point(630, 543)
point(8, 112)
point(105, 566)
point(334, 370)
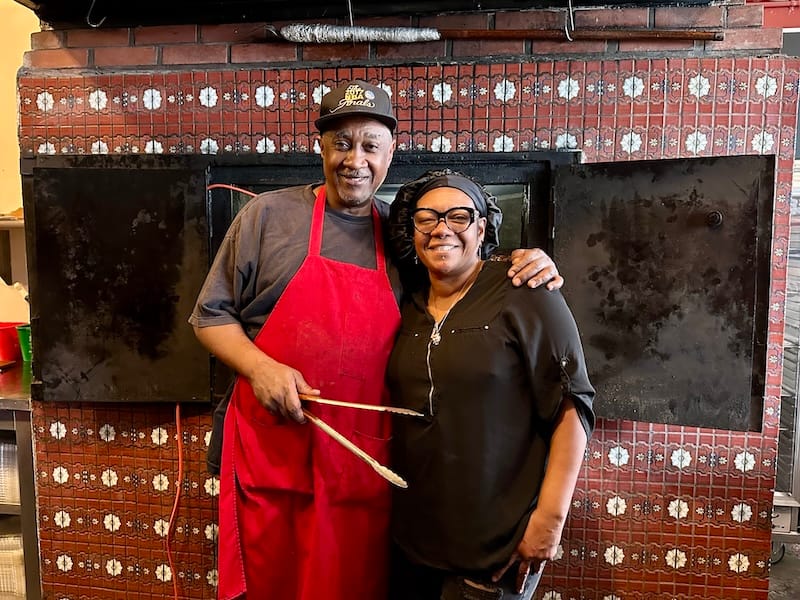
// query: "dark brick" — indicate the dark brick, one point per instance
point(538, 19)
point(194, 54)
point(612, 17)
point(317, 52)
point(749, 39)
point(488, 48)
point(745, 16)
point(710, 16)
point(269, 52)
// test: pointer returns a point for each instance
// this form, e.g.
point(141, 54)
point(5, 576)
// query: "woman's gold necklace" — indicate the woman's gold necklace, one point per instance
point(436, 332)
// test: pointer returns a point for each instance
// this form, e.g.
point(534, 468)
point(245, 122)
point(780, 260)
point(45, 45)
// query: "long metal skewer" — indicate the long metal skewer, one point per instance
point(380, 469)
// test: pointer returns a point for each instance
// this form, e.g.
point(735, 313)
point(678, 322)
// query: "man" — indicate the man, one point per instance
point(301, 300)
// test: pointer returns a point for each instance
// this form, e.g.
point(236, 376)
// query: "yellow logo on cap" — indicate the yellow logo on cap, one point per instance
point(355, 95)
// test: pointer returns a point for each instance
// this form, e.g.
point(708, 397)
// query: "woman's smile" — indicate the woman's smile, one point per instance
point(442, 247)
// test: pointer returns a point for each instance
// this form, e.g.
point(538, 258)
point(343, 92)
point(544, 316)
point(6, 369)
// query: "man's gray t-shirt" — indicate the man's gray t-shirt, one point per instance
point(263, 249)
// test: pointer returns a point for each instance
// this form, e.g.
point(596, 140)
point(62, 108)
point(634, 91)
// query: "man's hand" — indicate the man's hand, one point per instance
point(534, 267)
point(275, 384)
point(277, 387)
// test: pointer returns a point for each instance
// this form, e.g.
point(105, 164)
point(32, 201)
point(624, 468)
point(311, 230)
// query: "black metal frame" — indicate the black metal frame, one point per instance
point(109, 13)
point(259, 173)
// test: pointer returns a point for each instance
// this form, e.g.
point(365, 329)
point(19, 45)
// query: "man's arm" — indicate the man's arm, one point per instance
point(275, 385)
point(532, 266)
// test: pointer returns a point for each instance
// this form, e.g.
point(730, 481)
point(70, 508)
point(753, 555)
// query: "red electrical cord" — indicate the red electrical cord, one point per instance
point(173, 515)
point(179, 483)
point(230, 187)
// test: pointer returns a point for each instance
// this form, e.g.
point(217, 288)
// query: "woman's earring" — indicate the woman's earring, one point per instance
point(416, 259)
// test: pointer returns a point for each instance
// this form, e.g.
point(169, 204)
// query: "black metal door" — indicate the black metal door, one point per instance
point(667, 266)
point(118, 250)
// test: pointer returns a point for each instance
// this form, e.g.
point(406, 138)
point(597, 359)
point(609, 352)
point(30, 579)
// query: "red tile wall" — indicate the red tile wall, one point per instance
point(661, 512)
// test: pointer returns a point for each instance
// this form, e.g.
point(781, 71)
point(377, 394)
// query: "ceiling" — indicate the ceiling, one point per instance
point(116, 13)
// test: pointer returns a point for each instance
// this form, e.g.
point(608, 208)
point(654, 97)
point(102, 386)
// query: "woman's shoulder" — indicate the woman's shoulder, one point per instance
point(495, 273)
point(538, 300)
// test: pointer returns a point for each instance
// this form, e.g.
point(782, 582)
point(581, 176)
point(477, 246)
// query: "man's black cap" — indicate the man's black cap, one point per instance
point(355, 98)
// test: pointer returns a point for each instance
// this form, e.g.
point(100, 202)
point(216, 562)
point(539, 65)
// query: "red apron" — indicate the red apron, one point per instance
point(301, 518)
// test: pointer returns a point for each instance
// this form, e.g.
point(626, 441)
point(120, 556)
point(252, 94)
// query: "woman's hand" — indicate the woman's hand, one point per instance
point(537, 546)
point(542, 536)
point(534, 267)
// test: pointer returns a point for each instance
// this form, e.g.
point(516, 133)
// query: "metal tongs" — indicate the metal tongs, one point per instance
point(378, 407)
point(380, 469)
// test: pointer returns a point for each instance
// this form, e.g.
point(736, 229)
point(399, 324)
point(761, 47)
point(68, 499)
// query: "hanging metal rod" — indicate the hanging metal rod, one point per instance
point(327, 34)
point(583, 34)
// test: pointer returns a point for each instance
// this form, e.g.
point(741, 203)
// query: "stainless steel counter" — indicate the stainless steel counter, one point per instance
point(15, 415)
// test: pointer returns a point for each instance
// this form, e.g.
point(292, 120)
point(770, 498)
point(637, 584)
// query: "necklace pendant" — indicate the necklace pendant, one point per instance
point(436, 337)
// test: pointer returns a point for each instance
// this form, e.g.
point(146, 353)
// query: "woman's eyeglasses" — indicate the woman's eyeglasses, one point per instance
point(458, 219)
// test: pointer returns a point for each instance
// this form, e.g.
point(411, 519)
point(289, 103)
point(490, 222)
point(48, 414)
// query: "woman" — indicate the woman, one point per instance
point(499, 373)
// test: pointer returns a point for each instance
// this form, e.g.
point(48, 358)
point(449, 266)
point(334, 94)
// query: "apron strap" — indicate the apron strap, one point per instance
point(377, 229)
point(317, 220)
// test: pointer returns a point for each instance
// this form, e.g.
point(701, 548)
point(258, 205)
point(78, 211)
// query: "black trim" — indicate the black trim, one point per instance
point(177, 12)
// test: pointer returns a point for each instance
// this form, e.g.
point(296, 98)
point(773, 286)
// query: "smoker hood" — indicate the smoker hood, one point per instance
point(112, 13)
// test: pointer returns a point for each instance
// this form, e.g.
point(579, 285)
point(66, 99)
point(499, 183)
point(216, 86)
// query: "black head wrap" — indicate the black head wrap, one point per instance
point(401, 226)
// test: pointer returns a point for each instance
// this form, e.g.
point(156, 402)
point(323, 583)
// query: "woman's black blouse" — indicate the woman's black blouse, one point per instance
point(491, 391)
